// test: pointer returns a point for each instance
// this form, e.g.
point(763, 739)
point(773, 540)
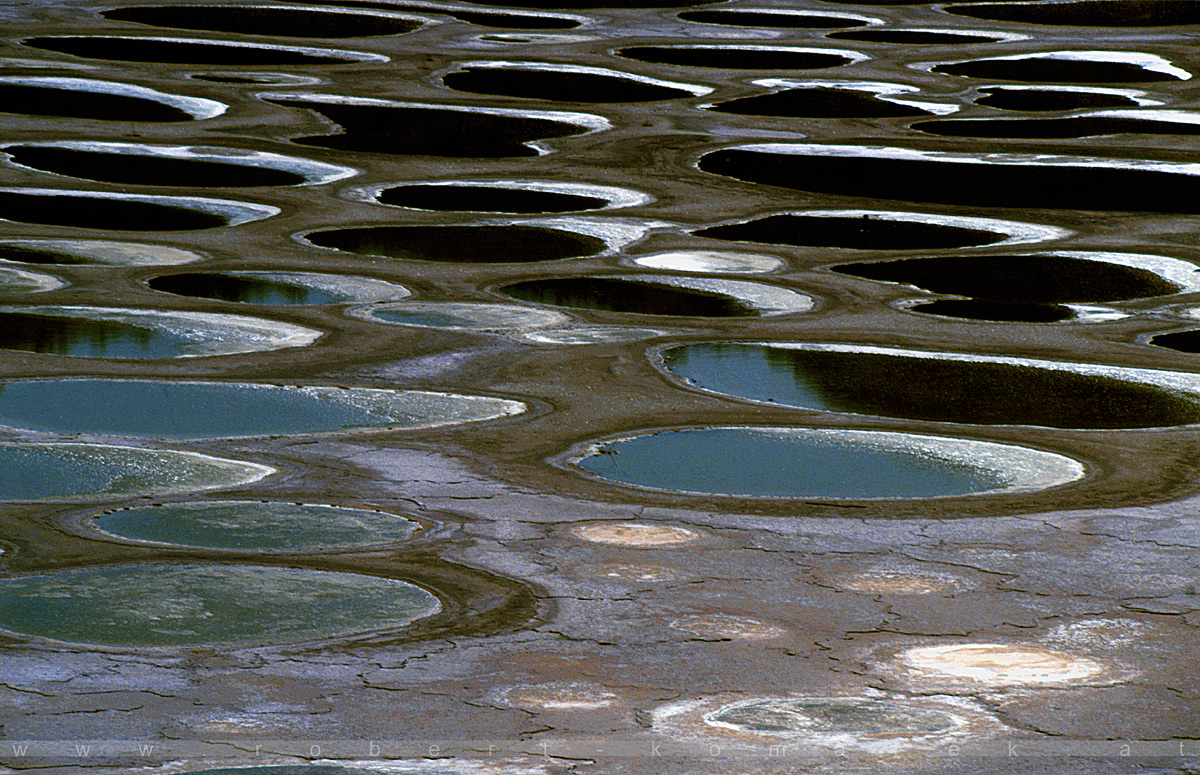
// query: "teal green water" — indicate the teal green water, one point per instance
point(187, 410)
point(257, 526)
point(182, 605)
point(765, 463)
point(34, 471)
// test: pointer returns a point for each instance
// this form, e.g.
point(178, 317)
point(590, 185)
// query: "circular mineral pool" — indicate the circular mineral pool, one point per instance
point(938, 387)
point(191, 410)
point(278, 288)
point(40, 471)
point(71, 252)
point(184, 605)
point(257, 526)
point(461, 316)
point(781, 462)
point(832, 715)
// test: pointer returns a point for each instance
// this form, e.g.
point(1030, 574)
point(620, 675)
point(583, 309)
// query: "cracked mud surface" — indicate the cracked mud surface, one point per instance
point(586, 626)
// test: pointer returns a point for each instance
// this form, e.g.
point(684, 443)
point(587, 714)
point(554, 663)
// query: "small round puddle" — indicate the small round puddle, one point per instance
point(115, 332)
point(1051, 98)
point(858, 716)
point(761, 462)
point(998, 664)
point(277, 288)
point(188, 51)
point(381, 126)
point(511, 244)
point(917, 37)
point(1069, 67)
point(1087, 13)
point(564, 83)
point(741, 57)
point(662, 295)
point(273, 20)
point(996, 311)
point(1145, 122)
point(185, 605)
point(172, 165)
point(257, 526)
point(1041, 277)
point(770, 18)
point(727, 627)
point(963, 179)
point(124, 212)
point(920, 386)
point(69, 252)
point(558, 696)
point(492, 198)
point(461, 316)
point(865, 230)
point(71, 471)
point(634, 534)
point(99, 100)
point(193, 410)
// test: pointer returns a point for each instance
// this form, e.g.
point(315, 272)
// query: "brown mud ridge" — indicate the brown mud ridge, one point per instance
point(522, 262)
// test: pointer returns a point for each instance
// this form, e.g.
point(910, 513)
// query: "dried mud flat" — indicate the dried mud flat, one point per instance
point(440, 255)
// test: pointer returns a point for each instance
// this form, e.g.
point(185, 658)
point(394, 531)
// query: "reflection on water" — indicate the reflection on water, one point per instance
point(860, 232)
point(788, 463)
point(247, 290)
point(1030, 278)
point(616, 295)
point(490, 199)
point(430, 131)
point(559, 86)
point(464, 244)
point(36, 471)
point(83, 338)
point(147, 169)
point(34, 100)
point(999, 311)
point(188, 410)
point(927, 388)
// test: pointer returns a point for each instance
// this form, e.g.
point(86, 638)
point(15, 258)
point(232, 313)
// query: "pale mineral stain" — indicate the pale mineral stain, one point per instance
point(558, 696)
point(635, 534)
point(897, 583)
point(1001, 664)
point(727, 626)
